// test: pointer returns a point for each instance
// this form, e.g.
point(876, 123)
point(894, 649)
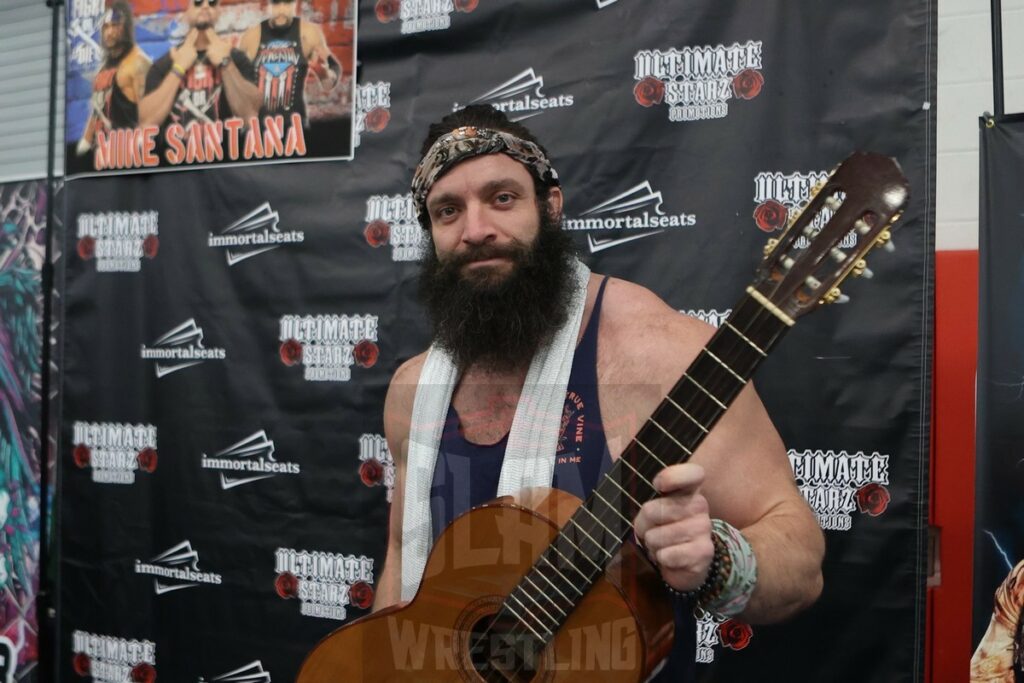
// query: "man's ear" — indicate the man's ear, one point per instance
point(555, 201)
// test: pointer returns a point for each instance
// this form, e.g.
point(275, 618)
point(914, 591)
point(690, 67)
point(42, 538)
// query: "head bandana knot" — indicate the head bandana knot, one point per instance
point(469, 141)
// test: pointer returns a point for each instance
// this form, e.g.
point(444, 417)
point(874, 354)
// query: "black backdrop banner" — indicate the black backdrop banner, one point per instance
point(999, 509)
point(225, 482)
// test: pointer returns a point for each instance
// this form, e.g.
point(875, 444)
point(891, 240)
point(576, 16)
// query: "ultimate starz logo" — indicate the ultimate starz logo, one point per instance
point(373, 108)
point(637, 211)
point(248, 460)
point(778, 196)
point(328, 345)
point(108, 659)
point(376, 466)
point(391, 219)
point(115, 451)
point(249, 673)
point(118, 240)
point(324, 583)
point(838, 484)
point(697, 82)
point(253, 234)
point(175, 569)
point(714, 630)
point(422, 15)
point(184, 343)
point(520, 97)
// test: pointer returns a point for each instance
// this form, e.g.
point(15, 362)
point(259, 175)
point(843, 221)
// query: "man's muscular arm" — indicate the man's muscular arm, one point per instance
point(314, 48)
point(136, 70)
point(160, 95)
point(397, 414)
point(740, 473)
point(243, 95)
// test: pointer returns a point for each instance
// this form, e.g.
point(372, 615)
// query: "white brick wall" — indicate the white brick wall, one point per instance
point(964, 93)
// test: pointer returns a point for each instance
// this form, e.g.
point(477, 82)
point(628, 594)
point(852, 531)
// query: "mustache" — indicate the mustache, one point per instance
point(482, 252)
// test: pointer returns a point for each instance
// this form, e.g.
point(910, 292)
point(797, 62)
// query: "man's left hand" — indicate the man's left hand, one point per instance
point(675, 527)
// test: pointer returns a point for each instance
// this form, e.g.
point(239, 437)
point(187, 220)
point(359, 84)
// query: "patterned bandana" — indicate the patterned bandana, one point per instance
point(468, 141)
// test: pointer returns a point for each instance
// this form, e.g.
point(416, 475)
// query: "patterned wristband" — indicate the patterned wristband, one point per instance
point(178, 70)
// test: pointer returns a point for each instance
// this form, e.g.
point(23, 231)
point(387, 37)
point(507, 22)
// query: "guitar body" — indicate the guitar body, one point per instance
point(618, 632)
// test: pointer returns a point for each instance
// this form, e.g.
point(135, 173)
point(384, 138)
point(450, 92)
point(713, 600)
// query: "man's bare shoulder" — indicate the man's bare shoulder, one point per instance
point(399, 402)
point(645, 336)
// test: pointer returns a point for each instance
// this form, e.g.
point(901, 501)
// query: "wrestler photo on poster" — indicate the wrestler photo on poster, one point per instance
point(172, 84)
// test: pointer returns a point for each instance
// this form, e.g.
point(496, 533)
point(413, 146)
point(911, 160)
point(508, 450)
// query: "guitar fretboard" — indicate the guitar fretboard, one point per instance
point(570, 565)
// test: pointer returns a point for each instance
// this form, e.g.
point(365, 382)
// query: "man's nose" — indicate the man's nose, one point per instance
point(479, 226)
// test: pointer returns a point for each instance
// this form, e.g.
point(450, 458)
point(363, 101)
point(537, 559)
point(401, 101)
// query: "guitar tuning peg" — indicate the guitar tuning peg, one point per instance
point(860, 269)
point(834, 296)
point(889, 246)
point(770, 246)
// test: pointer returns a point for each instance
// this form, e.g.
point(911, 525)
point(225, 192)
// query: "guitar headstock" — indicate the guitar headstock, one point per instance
point(866, 194)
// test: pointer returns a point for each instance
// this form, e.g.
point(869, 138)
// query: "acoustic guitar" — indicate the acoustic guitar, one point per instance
point(541, 587)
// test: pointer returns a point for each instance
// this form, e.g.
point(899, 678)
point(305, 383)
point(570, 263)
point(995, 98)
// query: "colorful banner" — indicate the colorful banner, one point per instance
point(231, 334)
point(999, 475)
point(178, 83)
point(22, 243)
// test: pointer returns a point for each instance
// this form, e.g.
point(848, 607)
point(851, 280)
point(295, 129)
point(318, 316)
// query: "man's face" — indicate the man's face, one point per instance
point(481, 212)
point(282, 13)
point(204, 15)
point(113, 34)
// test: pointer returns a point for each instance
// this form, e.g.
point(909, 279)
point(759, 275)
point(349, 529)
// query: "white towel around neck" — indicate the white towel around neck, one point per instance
point(532, 441)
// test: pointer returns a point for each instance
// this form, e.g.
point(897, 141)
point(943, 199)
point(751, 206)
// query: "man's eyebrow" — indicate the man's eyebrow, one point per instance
point(441, 199)
point(502, 184)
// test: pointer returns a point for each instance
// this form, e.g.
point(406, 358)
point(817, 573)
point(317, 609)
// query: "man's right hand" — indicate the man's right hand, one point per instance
point(185, 55)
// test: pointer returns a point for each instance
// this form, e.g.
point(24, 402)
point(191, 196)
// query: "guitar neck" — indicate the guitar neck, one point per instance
point(588, 542)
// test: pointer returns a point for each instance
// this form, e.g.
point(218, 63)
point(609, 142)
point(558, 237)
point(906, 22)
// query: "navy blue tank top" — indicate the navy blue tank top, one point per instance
point(466, 474)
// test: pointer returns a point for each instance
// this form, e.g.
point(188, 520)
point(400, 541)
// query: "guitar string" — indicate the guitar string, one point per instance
point(518, 631)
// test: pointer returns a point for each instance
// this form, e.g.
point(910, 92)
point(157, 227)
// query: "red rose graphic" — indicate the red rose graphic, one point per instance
point(735, 635)
point(81, 664)
point(143, 673)
point(361, 594)
point(747, 84)
point(147, 460)
point(387, 10)
point(377, 119)
point(466, 5)
point(873, 499)
point(366, 353)
point(371, 472)
point(291, 352)
point(770, 215)
point(86, 248)
point(377, 233)
point(150, 246)
point(649, 91)
point(286, 585)
point(81, 455)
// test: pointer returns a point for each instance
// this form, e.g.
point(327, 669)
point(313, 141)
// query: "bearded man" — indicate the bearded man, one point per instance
point(120, 84)
point(284, 49)
point(507, 299)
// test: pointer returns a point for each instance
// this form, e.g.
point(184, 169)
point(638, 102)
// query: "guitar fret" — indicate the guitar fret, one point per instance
point(764, 354)
point(539, 606)
point(553, 603)
point(638, 505)
point(564, 577)
point(669, 435)
point(584, 554)
point(523, 621)
point(724, 365)
point(598, 494)
point(596, 519)
point(635, 471)
point(640, 443)
point(571, 563)
point(709, 394)
point(592, 540)
point(692, 418)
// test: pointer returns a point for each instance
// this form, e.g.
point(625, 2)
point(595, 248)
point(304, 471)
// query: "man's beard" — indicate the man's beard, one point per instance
point(117, 51)
point(500, 324)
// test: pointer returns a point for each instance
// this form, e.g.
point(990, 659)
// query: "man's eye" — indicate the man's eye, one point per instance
point(504, 198)
point(446, 211)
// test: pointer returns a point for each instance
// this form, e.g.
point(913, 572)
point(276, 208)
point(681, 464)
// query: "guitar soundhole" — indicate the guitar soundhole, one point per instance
point(500, 652)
